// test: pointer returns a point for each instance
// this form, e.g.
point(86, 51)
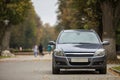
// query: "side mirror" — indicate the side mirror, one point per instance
point(51, 43)
point(105, 43)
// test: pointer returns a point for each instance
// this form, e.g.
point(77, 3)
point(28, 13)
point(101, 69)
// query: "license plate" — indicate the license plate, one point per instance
point(79, 60)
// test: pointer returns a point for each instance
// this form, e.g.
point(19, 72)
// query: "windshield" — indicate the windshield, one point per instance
point(78, 37)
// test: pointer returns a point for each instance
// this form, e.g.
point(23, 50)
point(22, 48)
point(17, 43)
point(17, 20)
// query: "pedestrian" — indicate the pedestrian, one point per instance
point(20, 48)
point(41, 49)
point(35, 49)
point(49, 48)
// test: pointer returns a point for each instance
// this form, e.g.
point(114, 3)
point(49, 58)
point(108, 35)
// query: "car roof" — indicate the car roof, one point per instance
point(79, 30)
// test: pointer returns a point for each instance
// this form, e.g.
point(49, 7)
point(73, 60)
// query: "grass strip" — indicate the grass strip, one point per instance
point(117, 68)
point(1, 57)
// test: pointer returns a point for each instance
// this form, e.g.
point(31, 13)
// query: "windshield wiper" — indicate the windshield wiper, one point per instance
point(77, 43)
point(63, 43)
point(85, 43)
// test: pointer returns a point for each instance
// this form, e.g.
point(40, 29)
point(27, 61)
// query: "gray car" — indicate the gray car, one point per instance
point(78, 49)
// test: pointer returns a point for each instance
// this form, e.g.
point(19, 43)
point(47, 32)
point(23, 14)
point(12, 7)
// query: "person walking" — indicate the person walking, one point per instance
point(49, 48)
point(35, 49)
point(41, 49)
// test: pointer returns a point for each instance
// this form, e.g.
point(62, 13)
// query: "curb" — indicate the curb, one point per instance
point(41, 58)
point(23, 60)
point(117, 72)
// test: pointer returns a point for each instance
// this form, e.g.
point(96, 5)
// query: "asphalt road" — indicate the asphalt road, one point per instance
point(41, 70)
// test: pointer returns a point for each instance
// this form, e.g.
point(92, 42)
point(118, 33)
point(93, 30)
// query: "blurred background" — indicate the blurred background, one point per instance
point(25, 23)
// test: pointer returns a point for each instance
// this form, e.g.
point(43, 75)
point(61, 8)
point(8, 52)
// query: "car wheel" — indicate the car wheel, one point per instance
point(103, 70)
point(55, 70)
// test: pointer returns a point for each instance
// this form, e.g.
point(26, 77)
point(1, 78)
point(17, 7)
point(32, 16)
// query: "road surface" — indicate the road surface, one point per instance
point(42, 70)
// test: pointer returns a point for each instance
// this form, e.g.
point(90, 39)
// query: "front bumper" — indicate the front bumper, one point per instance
point(92, 63)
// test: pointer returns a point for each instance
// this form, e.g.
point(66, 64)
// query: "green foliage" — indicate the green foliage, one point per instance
point(86, 26)
point(24, 35)
point(117, 68)
point(31, 32)
point(14, 10)
point(89, 2)
point(46, 34)
point(71, 13)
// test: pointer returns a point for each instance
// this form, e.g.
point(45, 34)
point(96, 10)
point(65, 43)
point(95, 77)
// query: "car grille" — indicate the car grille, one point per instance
point(79, 63)
point(79, 54)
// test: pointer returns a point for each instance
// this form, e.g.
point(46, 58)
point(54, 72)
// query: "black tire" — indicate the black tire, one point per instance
point(55, 70)
point(103, 70)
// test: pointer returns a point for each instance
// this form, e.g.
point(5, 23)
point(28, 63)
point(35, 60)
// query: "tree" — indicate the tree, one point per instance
point(63, 12)
point(110, 20)
point(77, 14)
point(46, 34)
point(101, 15)
point(28, 31)
point(15, 11)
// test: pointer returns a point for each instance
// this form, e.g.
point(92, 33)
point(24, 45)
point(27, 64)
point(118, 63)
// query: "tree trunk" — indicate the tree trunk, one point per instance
point(2, 33)
point(6, 39)
point(109, 29)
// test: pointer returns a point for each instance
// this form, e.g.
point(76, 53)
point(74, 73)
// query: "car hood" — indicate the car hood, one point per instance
point(79, 47)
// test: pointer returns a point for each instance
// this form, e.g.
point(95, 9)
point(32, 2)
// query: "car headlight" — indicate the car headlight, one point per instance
point(100, 52)
point(59, 52)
